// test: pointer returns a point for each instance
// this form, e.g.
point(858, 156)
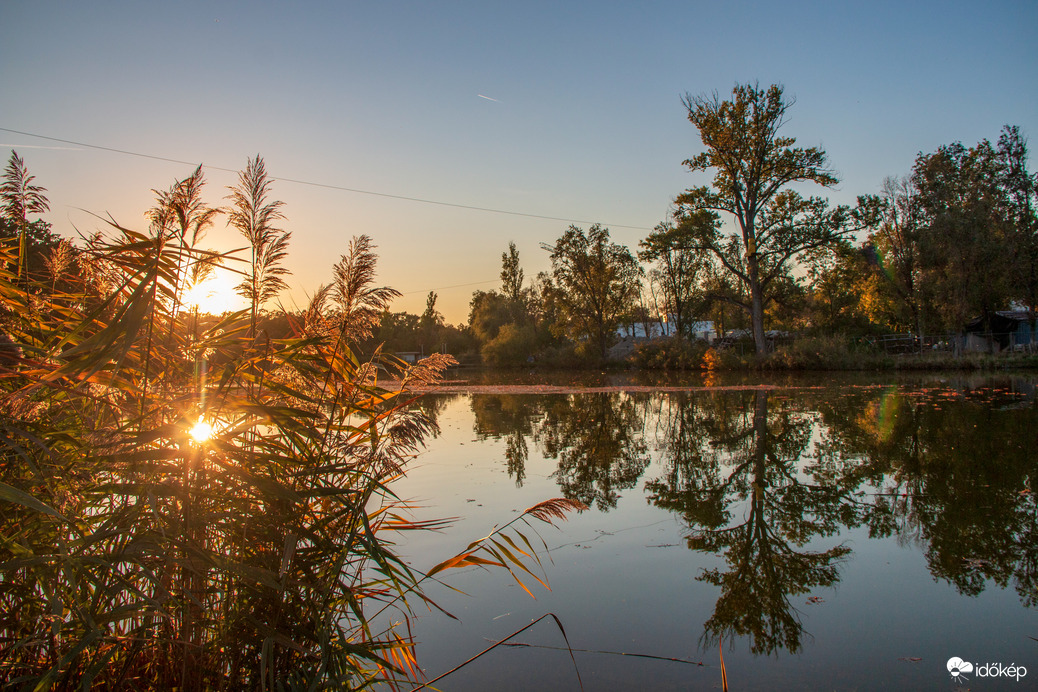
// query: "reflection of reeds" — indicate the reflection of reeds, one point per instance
point(137, 556)
point(724, 671)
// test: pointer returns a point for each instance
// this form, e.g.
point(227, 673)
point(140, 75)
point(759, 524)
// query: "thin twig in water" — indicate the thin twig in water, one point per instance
point(599, 651)
point(505, 640)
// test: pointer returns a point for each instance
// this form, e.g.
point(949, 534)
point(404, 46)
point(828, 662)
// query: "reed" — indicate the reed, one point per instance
point(184, 505)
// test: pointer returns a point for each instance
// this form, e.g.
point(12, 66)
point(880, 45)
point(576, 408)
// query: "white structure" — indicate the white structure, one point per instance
point(654, 330)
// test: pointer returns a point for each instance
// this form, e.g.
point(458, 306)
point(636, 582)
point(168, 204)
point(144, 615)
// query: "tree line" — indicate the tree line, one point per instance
point(952, 241)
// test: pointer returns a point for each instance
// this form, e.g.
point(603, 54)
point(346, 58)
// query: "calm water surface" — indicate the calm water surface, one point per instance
point(839, 534)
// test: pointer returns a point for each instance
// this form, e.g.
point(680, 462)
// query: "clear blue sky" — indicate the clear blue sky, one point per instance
point(586, 121)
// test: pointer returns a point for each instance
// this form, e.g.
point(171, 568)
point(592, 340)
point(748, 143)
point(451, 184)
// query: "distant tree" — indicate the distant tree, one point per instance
point(837, 279)
point(430, 325)
point(397, 332)
point(504, 323)
point(895, 251)
point(19, 197)
point(1021, 190)
point(511, 274)
point(595, 283)
point(255, 216)
point(678, 272)
point(431, 317)
point(753, 168)
point(966, 253)
point(488, 312)
point(39, 241)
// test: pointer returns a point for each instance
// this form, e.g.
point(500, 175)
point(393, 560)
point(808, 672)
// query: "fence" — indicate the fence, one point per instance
point(955, 344)
point(907, 344)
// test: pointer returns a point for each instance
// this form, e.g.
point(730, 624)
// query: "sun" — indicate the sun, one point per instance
point(202, 431)
point(215, 295)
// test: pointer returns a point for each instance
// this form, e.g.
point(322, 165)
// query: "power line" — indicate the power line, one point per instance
point(326, 185)
point(444, 288)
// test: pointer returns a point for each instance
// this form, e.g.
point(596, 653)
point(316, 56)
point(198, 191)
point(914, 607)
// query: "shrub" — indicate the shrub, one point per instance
point(512, 346)
point(671, 353)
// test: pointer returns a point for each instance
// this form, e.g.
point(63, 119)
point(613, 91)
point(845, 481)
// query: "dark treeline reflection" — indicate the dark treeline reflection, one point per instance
point(598, 439)
point(768, 479)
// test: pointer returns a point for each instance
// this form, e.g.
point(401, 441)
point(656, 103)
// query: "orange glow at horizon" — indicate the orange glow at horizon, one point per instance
point(214, 295)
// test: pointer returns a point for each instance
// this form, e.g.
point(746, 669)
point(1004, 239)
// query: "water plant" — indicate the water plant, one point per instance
point(184, 504)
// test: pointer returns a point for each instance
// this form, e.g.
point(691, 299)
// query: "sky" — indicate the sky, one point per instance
point(496, 114)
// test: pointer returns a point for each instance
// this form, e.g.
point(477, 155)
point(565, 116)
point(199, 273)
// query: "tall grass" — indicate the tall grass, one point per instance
point(186, 506)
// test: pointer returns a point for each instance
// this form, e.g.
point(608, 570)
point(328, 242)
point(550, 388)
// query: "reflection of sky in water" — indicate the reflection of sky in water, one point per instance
point(624, 580)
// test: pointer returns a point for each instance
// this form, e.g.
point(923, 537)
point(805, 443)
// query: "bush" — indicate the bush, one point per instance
point(513, 346)
point(671, 353)
point(824, 353)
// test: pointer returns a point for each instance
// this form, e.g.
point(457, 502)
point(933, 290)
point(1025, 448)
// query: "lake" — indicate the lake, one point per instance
point(827, 533)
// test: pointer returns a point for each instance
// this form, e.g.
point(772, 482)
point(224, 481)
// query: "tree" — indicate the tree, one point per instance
point(1021, 190)
point(254, 215)
point(488, 312)
point(431, 317)
point(754, 167)
point(895, 252)
point(502, 322)
point(430, 324)
point(19, 198)
point(594, 283)
point(965, 245)
point(678, 271)
point(511, 274)
point(838, 280)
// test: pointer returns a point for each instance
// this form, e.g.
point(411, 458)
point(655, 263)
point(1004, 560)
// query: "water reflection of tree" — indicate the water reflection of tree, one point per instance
point(431, 406)
point(597, 439)
point(958, 470)
point(512, 418)
point(748, 459)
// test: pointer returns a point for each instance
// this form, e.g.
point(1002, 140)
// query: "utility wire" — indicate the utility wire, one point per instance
point(444, 288)
point(325, 185)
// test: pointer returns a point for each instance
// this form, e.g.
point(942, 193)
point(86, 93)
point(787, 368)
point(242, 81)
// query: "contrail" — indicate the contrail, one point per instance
point(487, 98)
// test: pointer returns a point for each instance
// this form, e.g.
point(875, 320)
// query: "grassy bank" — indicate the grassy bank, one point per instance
point(814, 353)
